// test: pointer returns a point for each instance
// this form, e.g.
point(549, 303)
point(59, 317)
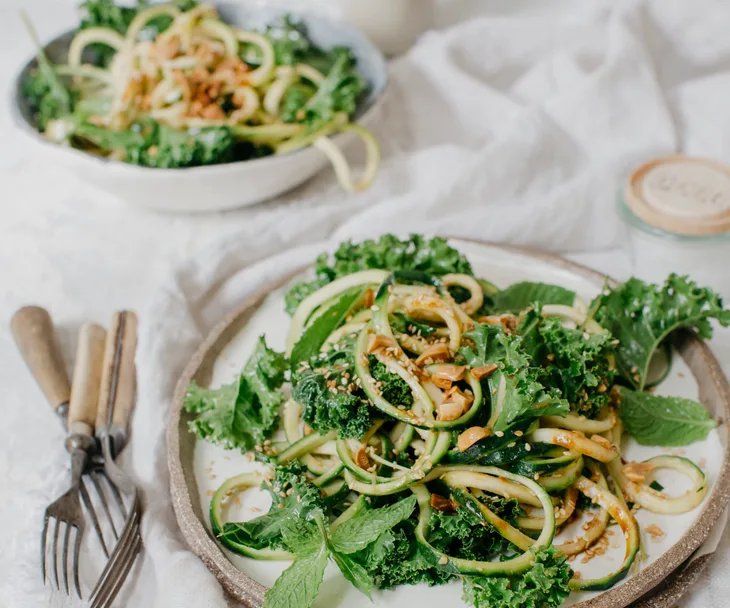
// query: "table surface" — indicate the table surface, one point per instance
point(49, 251)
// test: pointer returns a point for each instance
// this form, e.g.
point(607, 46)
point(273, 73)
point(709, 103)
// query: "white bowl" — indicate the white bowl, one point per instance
point(213, 187)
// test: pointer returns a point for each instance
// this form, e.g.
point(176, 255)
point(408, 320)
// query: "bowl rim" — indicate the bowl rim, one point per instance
point(375, 100)
point(640, 588)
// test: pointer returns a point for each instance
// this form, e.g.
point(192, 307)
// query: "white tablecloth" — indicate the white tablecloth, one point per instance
point(515, 126)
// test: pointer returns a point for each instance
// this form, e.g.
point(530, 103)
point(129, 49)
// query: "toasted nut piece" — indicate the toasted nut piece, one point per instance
point(450, 410)
point(213, 111)
point(470, 436)
point(443, 383)
point(378, 341)
point(368, 298)
point(307, 430)
point(434, 353)
point(455, 395)
point(440, 503)
point(449, 372)
point(655, 532)
point(484, 372)
point(603, 442)
point(508, 321)
point(361, 459)
point(637, 471)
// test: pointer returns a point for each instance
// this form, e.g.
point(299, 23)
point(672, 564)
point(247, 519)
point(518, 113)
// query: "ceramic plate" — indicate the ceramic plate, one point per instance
point(198, 468)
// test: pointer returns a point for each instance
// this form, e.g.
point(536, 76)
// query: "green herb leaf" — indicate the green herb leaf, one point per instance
point(514, 387)
point(298, 585)
point(519, 296)
point(642, 315)
point(244, 413)
point(357, 533)
point(315, 335)
point(354, 572)
point(663, 421)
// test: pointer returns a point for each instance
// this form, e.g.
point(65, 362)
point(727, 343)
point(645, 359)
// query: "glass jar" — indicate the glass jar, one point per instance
point(677, 211)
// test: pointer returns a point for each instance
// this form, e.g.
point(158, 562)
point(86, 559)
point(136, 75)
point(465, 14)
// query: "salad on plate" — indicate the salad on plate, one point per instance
point(426, 426)
point(173, 86)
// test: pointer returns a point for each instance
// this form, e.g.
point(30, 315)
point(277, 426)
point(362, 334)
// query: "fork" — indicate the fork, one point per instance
point(67, 510)
point(115, 406)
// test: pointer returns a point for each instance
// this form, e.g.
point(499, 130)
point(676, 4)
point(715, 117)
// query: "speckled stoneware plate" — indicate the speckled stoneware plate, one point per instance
point(198, 468)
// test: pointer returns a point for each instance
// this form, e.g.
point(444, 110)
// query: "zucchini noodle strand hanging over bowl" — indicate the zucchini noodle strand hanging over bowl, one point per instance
point(173, 85)
point(439, 428)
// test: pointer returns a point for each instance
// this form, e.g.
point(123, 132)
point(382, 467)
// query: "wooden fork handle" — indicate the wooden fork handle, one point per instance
point(118, 380)
point(38, 343)
point(86, 380)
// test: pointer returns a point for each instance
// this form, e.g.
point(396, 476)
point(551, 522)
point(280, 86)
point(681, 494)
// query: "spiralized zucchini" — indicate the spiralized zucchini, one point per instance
point(192, 75)
point(414, 330)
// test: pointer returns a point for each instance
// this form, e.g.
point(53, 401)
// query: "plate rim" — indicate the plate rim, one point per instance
point(249, 591)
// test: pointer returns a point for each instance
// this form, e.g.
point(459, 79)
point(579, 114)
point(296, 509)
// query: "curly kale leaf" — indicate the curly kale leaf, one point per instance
point(519, 296)
point(392, 387)
point(273, 529)
point(47, 97)
point(245, 412)
point(516, 390)
point(545, 585)
point(433, 256)
point(581, 365)
point(394, 559)
point(642, 315)
point(464, 534)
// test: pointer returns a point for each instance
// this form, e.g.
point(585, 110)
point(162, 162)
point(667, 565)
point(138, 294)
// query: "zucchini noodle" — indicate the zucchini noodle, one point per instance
point(439, 433)
point(191, 75)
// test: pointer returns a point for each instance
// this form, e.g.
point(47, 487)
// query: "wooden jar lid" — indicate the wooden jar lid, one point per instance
point(682, 195)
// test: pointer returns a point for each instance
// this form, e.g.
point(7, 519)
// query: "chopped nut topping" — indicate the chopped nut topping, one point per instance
point(603, 442)
point(378, 342)
point(361, 459)
point(470, 436)
point(637, 471)
point(484, 372)
point(434, 353)
point(443, 560)
point(449, 372)
point(655, 532)
point(450, 410)
point(440, 503)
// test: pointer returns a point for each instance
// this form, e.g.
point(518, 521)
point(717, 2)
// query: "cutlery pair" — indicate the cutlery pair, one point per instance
point(97, 406)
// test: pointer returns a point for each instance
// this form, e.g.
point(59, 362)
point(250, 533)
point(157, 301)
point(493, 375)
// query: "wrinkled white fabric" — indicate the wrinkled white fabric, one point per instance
point(510, 127)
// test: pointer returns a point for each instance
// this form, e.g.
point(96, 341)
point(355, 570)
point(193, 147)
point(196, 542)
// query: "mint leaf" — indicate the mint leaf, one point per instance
point(298, 585)
point(514, 388)
point(245, 412)
point(642, 315)
point(519, 296)
point(354, 572)
point(315, 335)
point(357, 533)
point(663, 421)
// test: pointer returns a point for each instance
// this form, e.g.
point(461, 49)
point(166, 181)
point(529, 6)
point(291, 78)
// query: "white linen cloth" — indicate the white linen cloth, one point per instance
point(510, 127)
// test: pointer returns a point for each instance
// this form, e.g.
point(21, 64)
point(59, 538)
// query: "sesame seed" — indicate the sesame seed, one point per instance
point(499, 434)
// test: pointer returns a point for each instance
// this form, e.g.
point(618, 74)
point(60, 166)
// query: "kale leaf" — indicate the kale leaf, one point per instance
point(545, 585)
point(433, 256)
point(245, 412)
point(47, 96)
point(517, 393)
point(272, 529)
point(641, 316)
point(394, 559)
point(581, 365)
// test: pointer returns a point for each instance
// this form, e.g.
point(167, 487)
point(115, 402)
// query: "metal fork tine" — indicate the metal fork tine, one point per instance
point(77, 551)
point(116, 575)
point(65, 556)
point(55, 552)
point(124, 571)
point(118, 496)
point(129, 534)
point(105, 505)
point(92, 514)
point(43, 546)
